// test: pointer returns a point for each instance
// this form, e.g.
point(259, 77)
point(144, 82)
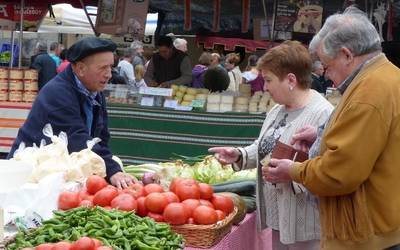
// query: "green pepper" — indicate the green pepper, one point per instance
point(143, 246)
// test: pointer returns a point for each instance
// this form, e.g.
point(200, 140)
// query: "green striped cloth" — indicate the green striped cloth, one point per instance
point(146, 134)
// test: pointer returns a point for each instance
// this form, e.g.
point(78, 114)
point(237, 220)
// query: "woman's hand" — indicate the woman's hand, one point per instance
point(225, 155)
point(277, 171)
point(304, 138)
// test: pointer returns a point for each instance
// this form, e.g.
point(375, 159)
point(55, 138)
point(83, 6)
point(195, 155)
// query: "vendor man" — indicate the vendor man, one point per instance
point(73, 102)
point(168, 66)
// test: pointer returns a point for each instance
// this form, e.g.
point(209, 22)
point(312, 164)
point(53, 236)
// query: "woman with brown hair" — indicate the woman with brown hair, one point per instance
point(286, 208)
point(232, 61)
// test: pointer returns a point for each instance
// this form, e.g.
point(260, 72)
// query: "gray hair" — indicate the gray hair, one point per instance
point(352, 29)
point(41, 46)
point(128, 52)
point(54, 46)
point(179, 41)
point(316, 65)
point(136, 45)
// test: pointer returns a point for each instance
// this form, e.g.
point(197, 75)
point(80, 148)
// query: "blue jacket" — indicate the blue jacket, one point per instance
point(61, 104)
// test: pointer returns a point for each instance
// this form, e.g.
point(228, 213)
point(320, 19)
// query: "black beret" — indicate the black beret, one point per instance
point(216, 79)
point(89, 46)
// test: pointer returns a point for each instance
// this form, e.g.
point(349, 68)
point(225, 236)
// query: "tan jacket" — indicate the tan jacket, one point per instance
point(357, 176)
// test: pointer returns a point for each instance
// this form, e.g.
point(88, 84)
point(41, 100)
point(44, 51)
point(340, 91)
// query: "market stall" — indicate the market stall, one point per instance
point(161, 132)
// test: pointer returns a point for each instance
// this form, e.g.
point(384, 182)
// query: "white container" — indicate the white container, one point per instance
point(13, 175)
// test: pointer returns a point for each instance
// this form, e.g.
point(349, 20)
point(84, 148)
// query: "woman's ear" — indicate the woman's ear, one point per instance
point(292, 80)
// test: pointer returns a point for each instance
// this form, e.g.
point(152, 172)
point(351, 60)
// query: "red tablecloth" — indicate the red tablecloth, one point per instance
point(244, 237)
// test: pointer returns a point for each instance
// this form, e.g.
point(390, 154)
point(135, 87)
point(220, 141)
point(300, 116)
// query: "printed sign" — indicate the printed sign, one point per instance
point(122, 17)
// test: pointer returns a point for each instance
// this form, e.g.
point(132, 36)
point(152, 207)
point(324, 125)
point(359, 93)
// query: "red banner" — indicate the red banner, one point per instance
point(188, 16)
point(10, 16)
point(217, 16)
point(245, 15)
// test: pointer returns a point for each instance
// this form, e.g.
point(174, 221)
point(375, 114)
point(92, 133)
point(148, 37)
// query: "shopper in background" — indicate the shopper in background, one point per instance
point(235, 75)
point(199, 70)
point(253, 76)
point(125, 67)
point(355, 171)
point(317, 76)
point(181, 44)
point(216, 79)
point(139, 76)
point(64, 61)
point(138, 58)
point(73, 102)
point(168, 66)
point(44, 64)
point(217, 60)
point(55, 53)
point(285, 208)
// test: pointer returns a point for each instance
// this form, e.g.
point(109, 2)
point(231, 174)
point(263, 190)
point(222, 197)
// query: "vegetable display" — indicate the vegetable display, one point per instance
point(119, 230)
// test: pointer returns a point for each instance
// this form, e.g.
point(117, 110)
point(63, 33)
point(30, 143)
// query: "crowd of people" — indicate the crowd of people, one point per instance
point(170, 64)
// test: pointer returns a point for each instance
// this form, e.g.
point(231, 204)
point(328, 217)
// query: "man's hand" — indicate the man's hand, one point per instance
point(225, 155)
point(122, 180)
point(277, 171)
point(304, 138)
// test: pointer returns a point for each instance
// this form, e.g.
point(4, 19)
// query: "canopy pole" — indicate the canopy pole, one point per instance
point(12, 49)
point(273, 21)
point(89, 19)
point(21, 31)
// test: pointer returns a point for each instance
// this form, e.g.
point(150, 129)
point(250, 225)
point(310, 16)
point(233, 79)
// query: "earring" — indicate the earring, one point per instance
point(290, 88)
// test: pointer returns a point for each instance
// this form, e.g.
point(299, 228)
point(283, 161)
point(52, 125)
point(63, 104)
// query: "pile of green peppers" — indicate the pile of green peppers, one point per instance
point(117, 229)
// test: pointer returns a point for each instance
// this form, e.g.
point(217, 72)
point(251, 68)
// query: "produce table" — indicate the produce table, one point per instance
point(148, 134)
point(244, 237)
point(12, 116)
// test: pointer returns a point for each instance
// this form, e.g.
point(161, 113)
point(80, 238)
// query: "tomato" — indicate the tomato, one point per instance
point(190, 221)
point(104, 248)
point(62, 246)
point(156, 202)
point(83, 194)
point(124, 202)
point(223, 203)
point(86, 203)
point(190, 205)
point(136, 190)
point(171, 197)
point(174, 182)
point(68, 200)
point(141, 207)
point(84, 243)
point(204, 215)
point(45, 246)
point(153, 188)
point(185, 189)
point(155, 216)
point(105, 196)
point(95, 183)
point(97, 243)
point(206, 191)
point(206, 203)
point(220, 214)
point(175, 213)
point(177, 180)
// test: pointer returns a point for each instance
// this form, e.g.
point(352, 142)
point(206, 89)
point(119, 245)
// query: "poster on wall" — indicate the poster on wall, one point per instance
point(299, 16)
point(122, 17)
point(10, 16)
